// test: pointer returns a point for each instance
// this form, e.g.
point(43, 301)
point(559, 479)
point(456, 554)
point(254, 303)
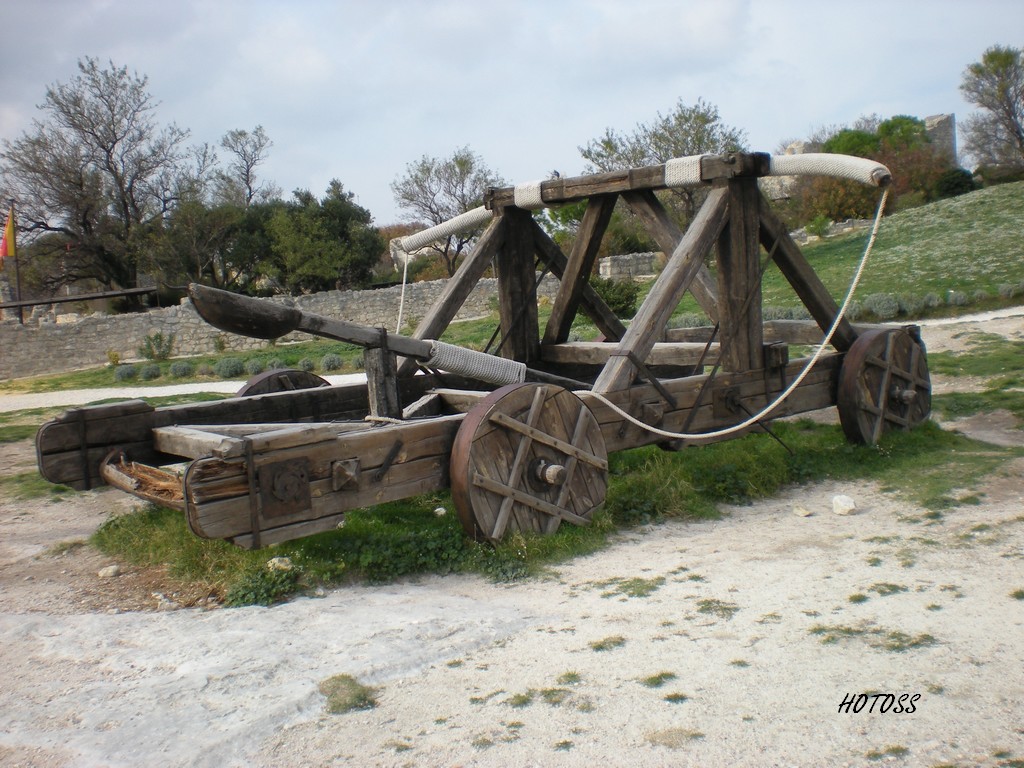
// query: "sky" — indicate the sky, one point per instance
point(357, 90)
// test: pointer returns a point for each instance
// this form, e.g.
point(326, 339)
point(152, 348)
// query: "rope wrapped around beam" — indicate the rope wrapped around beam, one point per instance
point(475, 365)
point(860, 169)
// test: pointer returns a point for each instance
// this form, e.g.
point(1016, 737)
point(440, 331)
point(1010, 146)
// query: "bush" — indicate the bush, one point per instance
point(150, 372)
point(932, 300)
point(229, 368)
point(156, 346)
point(305, 364)
point(113, 358)
point(957, 299)
point(181, 369)
point(204, 370)
point(910, 305)
point(818, 226)
point(884, 306)
point(331, 362)
point(955, 181)
point(254, 366)
point(276, 364)
point(1006, 291)
point(620, 295)
point(980, 296)
point(125, 373)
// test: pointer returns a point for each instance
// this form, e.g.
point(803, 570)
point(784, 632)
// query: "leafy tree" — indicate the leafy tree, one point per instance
point(317, 245)
point(685, 131)
point(995, 136)
point(851, 141)
point(98, 172)
point(435, 190)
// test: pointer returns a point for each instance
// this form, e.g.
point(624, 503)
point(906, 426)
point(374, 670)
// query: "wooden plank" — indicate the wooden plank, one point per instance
point(739, 280)
point(805, 331)
point(805, 281)
point(577, 272)
point(667, 234)
point(517, 291)
point(457, 289)
point(598, 353)
point(382, 383)
point(648, 325)
point(460, 400)
point(592, 304)
point(195, 443)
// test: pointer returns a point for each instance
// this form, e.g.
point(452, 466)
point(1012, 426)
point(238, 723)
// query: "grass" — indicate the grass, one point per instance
point(875, 637)
point(658, 680)
point(608, 643)
point(344, 694)
point(893, 750)
point(30, 485)
point(720, 608)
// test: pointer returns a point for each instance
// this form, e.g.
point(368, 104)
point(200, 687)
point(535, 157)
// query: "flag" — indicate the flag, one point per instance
point(7, 247)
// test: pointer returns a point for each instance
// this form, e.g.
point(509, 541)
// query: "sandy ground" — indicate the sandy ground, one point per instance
point(731, 614)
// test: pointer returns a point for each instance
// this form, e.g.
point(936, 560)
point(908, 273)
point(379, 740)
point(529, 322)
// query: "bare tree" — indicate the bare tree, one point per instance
point(995, 136)
point(239, 184)
point(96, 175)
point(434, 190)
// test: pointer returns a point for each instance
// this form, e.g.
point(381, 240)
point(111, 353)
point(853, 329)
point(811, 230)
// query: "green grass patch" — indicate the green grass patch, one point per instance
point(721, 608)
point(344, 694)
point(30, 485)
point(893, 750)
point(658, 680)
point(1017, 594)
point(608, 643)
point(875, 637)
point(636, 587)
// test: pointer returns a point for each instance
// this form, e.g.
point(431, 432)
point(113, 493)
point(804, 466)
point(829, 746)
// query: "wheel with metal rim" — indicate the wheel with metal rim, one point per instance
point(883, 384)
point(527, 457)
point(281, 380)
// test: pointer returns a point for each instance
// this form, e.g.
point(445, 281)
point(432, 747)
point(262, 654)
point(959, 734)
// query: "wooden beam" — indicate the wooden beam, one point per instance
point(667, 235)
point(457, 289)
point(515, 267)
point(593, 305)
point(739, 280)
point(598, 353)
point(382, 382)
point(577, 272)
point(649, 323)
point(805, 281)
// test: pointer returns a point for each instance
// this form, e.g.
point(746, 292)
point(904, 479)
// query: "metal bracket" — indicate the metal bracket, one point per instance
point(388, 461)
point(725, 402)
point(284, 487)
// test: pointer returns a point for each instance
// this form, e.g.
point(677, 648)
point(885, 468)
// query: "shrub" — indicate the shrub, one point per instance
point(331, 362)
point(980, 296)
point(125, 373)
point(620, 295)
point(219, 343)
point(957, 299)
point(263, 585)
point(150, 372)
point(276, 364)
point(818, 226)
point(955, 181)
point(910, 305)
point(113, 358)
point(1006, 291)
point(156, 346)
point(305, 364)
point(884, 306)
point(254, 366)
point(229, 368)
point(182, 369)
point(932, 300)
point(204, 370)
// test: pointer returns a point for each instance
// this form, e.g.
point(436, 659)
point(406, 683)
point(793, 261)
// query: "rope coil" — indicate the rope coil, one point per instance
point(476, 365)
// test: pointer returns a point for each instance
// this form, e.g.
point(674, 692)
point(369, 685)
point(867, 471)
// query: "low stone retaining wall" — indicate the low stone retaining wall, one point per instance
point(56, 343)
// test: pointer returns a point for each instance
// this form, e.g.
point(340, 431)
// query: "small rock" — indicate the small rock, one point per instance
point(110, 572)
point(843, 505)
point(802, 511)
point(279, 564)
point(440, 511)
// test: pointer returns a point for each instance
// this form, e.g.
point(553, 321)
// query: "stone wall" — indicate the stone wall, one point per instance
point(50, 343)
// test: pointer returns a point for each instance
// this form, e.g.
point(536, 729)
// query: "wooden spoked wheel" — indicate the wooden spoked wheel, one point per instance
point(281, 380)
point(883, 385)
point(527, 457)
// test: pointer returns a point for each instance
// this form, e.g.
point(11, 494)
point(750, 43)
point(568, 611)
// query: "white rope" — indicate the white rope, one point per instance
point(477, 365)
point(405, 281)
point(527, 196)
point(683, 171)
point(584, 393)
point(825, 164)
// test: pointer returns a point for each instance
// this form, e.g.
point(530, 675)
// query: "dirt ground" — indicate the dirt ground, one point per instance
point(732, 642)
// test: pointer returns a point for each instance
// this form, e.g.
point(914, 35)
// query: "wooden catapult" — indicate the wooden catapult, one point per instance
point(522, 436)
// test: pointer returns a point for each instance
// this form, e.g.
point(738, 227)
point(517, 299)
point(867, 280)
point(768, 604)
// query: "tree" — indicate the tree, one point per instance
point(238, 184)
point(996, 84)
point(683, 132)
point(434, 190)
point(98, 172)
point(314, 245)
